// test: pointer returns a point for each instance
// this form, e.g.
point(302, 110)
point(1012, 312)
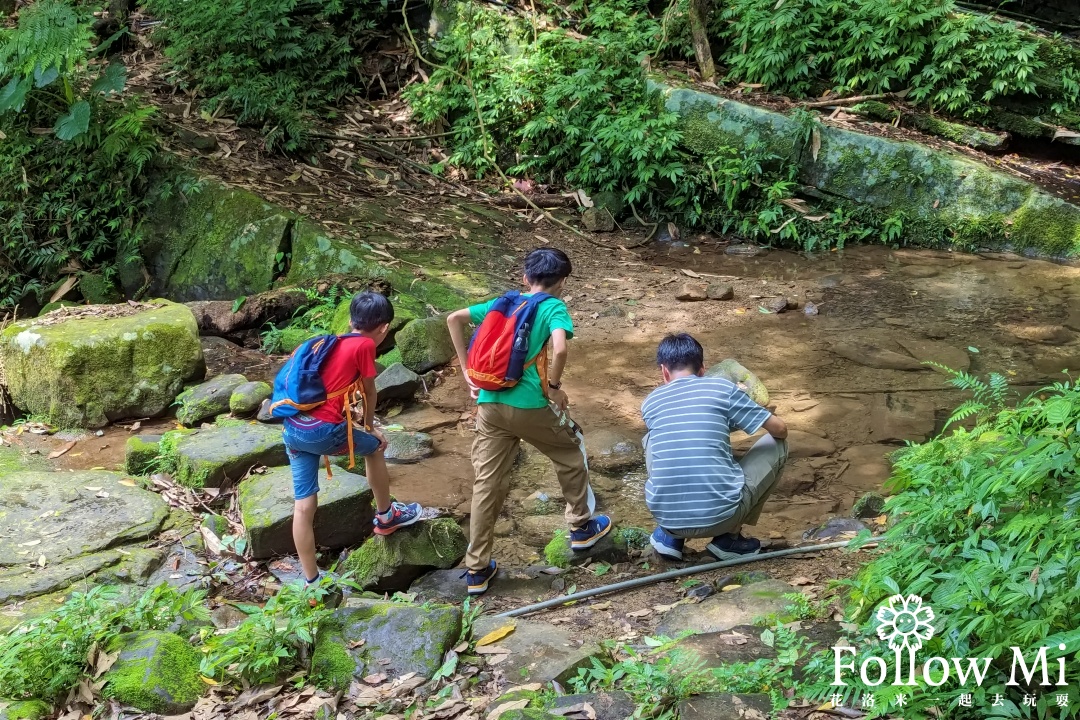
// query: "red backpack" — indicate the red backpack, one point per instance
point(499, 349)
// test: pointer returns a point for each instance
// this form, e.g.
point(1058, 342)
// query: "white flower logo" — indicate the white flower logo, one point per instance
point(905, 622)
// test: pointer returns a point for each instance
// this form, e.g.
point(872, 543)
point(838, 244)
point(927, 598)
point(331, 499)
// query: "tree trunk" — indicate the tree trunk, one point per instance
point(699, 16)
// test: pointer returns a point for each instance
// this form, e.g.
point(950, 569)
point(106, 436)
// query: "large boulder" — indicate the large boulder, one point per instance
point(266, 504)
point(219, 243)
point(397, 382)
point(212, 456)
point(156, 671)
point(390, 563)
point(368, 637)
point(207, 399)
point(72, 520)
point(747, 381)
point(425, 344)
point(228, 317)
point(91, 365)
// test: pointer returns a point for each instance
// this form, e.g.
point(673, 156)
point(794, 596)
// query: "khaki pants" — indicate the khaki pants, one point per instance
point(499, 430)
point(762, 465)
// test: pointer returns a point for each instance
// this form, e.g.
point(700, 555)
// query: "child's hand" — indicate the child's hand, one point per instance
point(474, 392)
point(378, 435)
point(559, 398)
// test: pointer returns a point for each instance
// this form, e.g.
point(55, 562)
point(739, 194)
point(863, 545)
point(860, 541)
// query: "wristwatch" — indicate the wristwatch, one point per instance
point(555, 386)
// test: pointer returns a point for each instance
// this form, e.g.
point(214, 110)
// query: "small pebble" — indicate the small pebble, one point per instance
point(810, 309)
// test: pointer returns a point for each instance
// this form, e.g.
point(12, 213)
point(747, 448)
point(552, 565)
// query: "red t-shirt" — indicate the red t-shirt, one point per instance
point(350, 359)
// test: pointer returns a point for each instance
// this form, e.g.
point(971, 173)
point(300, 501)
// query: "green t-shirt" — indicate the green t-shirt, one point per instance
point(527, 394)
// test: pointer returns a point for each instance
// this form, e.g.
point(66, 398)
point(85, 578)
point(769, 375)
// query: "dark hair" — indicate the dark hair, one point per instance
point(547, 266)
point(680, 352)
point(369, 310)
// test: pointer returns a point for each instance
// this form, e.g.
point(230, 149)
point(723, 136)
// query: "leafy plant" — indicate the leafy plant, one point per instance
point(70, 197)
point(277, 64)
point(985, 529)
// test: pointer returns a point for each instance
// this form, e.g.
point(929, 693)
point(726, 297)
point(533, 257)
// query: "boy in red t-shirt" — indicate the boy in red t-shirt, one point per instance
point(324, 430)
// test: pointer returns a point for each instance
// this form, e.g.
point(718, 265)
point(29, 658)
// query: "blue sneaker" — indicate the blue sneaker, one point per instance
point(590, 533)
point(666, 545)
point(730, 546)
point(478, 581)
point(400, 515)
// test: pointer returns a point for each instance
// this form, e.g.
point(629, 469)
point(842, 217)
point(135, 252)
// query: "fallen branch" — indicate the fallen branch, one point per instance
point(548, 200)
point(855, 99)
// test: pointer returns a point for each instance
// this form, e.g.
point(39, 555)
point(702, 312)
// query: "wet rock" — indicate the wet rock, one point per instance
point(743, 250)
point(1045, 334)
point(838, 528)
point(691, 292)
point(72, 519)
point(598, 220)
point(777, 305)
point(344, 516)
point(218, 317)
point(720, 291)
point(896, 418)
point(810, 309)
point(392, 562)
point(141, 454)
point(87, 370)
point(927, 350)
point(874, 356)
point(539, 652)
point(247, 398)
point(701, 591)
point(741, 606)
point(747, 381)
point(218, 244)
point(615, 705)
point(397, 382)
point(368, 637)
point(156, 672)
point(181, 568)
point(264, 415)
point(207, 399)
point(804, 444)
point(611, 451)
point(24, 709)
point(425, 344)
point(212, 456)
point(725, 706)
point(869, 505)
point(408, 447)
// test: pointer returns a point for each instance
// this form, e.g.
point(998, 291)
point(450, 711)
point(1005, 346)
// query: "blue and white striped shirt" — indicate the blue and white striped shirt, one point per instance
point(694, 480)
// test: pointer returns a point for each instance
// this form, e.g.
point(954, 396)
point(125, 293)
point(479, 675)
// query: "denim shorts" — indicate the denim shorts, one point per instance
point(307, 441)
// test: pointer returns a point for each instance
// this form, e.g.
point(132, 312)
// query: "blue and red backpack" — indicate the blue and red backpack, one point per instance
point(499, 349)
point(299, 387)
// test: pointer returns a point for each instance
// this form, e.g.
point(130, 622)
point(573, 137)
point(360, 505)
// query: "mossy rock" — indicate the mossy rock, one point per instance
point(369, 636)
point(390, 563)
point(397, 382)
point(425, 344)
point(408, 447)
point(156, 672)
point(207, 399)
point(212, 456)
point(217, 524)
point(141, 454)
point(246, 398)
point(316, 253)
point(746, 381)
point(13, 460)
point(291, 338)
point(391, 358)
point(219, 243)
point(404, 313)
point(868, 506)
point(49, 307)
point(24, 710)
point(89, 371)
point(99, 291)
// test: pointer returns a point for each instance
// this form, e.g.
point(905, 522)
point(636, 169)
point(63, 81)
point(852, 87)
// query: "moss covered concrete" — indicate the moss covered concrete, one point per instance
point(156, 672)
point(217, 244)
point(212, 456)
point(944, 198)
point(390, 563)
point(89, 371)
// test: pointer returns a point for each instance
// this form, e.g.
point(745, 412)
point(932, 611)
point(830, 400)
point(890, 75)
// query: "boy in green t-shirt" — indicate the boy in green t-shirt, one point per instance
point(506, 417)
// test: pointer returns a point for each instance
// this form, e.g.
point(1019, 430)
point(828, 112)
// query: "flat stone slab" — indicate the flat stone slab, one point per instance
point(803, 445)
point(725, 706)
point(210, 457)
point(538, 652)
point(725, 610)
point(408, 447)
point(895, 418)
point(368, 637)
point(425, 418)
point(64, 515)
point(344, 516)
point(937, 352)
point(526, 585)
point(875, 357)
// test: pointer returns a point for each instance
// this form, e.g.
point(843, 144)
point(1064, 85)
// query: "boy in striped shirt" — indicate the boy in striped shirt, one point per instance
point(696, 487)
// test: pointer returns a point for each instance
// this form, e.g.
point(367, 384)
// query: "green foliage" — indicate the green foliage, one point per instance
point(272, 640)
point(950, 60)
point(985, 529)
point(278, 64)
point(557, 552)
point(70, 197)
point(316, 318)
point(45, 658)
